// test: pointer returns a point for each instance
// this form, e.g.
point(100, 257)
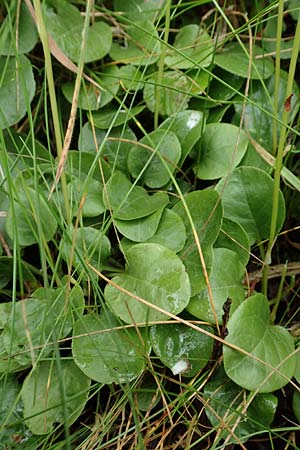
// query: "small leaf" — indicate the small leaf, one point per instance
point(19, 41)
point(249, 328)
point(111, 116)
point(53, 394)
point(12, 424)
point(247, 196)
point(91, 196)
point(29, 215)
point(91, 247)
point(113, 147)
point(259, 115)
point(91, 98)
point(135, 9)
point(154, 158)
point(226, 402)
point(181, 347)
point(17, 88)
point(139, 230)
point(131, 78)
point(192, 47)
point(221, 149)
point(130, 202)
point(155, 274)
point(188, 126)
point(235, 59)
point(206, 213)
point(173, 92)
point(140, 46)
point(233, 236)
point(106, 352)
point(225, 280)
point(65, 24)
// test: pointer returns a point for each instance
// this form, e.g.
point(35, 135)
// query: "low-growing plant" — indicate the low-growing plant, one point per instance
point(148, 208)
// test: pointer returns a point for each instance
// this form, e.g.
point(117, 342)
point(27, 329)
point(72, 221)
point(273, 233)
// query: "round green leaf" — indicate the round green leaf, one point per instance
point(135, 9)
point(249, 328)
point(220, 92)
point(221, 149)
point(91, 98)
point(235, 59)
point(173, 93)
point(46, 316)
point(53, 395)
point(247, 196)
point(107, 353)
point(155, 274)
point(233, 236)
point(226, 401)
point(17, 88)
point(91, 246)
point(29, 214)
point(111, 116)
point(131, 78)
point(192, 47)
point(188, 126)
point(170, 233)
point(130, 202)
point(83, 165)
point(114, 147)
point(12, 425)
point(91, 192)
point(140, 46)
point(155, 158)
point(181, 348)
point(225, 280)
point(65, 24)
point(139, 230)
point(26, 34)
point(148, 393)
point(7, 271)
point(206, 213)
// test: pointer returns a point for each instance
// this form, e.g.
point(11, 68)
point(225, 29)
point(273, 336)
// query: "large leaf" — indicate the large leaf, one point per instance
point(54, 393)
point(226, 402)
point(236, 60)
point(181, 348)
point(154, 158)
point(65, 24)
point(106, 352)
point(17, 36)
point(225, 281)
point(139, 230)
point(157, 275)
point(29, 216)
point(249, 328)
point(90, 98)
point(17, 88)
point(140, 46)
point(172, 93)
point(130, 202)
point(206, 213)
point(221, 149)
point(188, 126)
point(247, 196)
point(36, 323)
point(259, 114)
point(192, 47)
